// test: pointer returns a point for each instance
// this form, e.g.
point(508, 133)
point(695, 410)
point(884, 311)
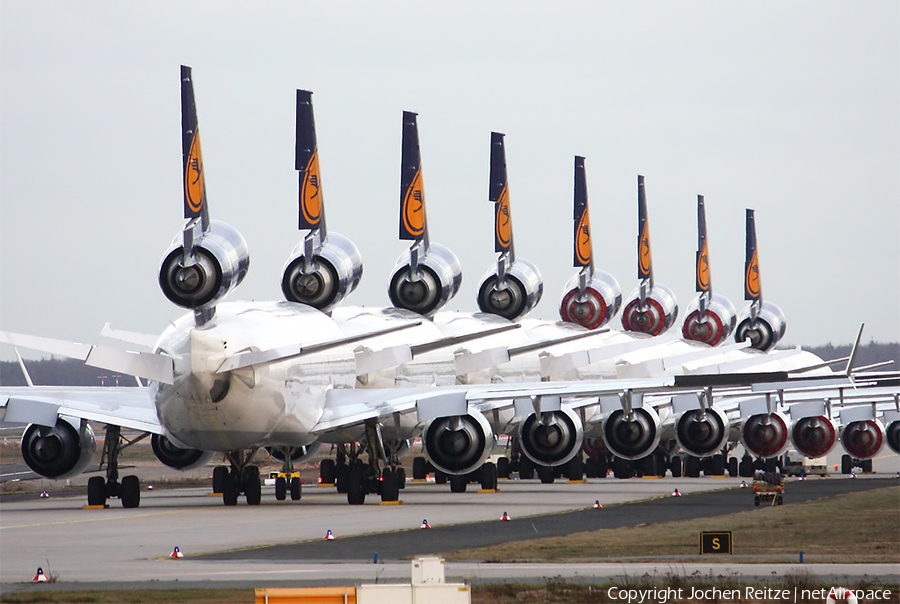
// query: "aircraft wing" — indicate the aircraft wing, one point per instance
point(121, 406)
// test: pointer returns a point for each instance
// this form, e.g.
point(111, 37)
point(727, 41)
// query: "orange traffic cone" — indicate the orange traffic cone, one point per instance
point(40, 577)
point(597, 505)
point(505, 517)
point(176, 553)
point(675, 493)
point(329, 536)
point(425, 525)
point(44, 494)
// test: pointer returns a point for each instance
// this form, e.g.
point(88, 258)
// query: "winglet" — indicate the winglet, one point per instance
point(27, 375)
point(645, 262)
point(583, 256)
point(852, 360)
point(306, 162)
point(192, 157)
point(499, 194)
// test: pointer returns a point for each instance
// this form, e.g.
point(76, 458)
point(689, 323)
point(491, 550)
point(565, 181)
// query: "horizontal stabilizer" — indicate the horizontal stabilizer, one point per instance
point(146, 340)
point(246, 359)
point(461, 339)
point(553, 342)
point(155, 367)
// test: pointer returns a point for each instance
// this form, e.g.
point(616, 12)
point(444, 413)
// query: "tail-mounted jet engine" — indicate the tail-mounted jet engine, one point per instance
point(325, 267)
point(298, 454)
point(863, 439)
point(765, 330)
point(814, 436)
point(334, 271)
point(426, 289)
point(591, 297)
point(765, 434)
point(632, 435)
point(458, 444)
point(702, 432)
point(512, 287)
point(177, 457)
point(716, 323)
point(513, 296)
point(218, 264)
point(551, 438)
point(58, 451)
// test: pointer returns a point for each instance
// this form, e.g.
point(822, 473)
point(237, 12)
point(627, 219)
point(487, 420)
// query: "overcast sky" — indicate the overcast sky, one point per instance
point(789, 108)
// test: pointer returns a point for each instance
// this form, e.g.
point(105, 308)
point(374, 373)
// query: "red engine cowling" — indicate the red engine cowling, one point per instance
point(863, 439)
point(597, 306)
point(814, 436)
point(765, 434)
point(716, 325)
point(655, 316)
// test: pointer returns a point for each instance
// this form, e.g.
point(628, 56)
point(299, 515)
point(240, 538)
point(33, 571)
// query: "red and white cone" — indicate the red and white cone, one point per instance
point(425, 524)
point(176, 553)
point(40, 577)
point(852, 474)
point(803, 478)
point(744, 484)
point(505, 517)
point(44, 494)
point(597, 505)
point(329, 536)
point(675, 493)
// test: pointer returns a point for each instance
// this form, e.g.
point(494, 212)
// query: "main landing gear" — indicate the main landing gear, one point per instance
point(240, 477)
point(380, 473)
point(100, 489)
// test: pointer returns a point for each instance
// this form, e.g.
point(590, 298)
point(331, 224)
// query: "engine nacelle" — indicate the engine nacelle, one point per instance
point(439, 278)
point(632, 437)
point(768, 330)
point(702, 433)
point(656, 316)
point(863, 439)
point(298, 454)
point(717, 324)
point(335, 272)
point(892, 434)
point(599, 304)
point(57, 451)
point(221, 260)
point(765, 434)
point(523, 290)
point(553, 438)
point(814, 436)
point(458, 444)
point(177, 457)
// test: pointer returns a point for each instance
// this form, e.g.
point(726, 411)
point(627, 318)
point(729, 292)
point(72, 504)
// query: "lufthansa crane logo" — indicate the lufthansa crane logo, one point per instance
point(703, 269)
point(310, 199)
point(583, 239)
point(414, 207)
point(752, 277)
point(194, 185)
point(644, 251)
point(503, 224)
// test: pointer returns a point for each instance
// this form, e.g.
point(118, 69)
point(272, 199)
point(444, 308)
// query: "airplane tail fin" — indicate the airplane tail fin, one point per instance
point(499, 194)
point(306, 162)
point(413, 224)
point(704, 276)
point(761, 322)
point(645, 260)
point(192, 156)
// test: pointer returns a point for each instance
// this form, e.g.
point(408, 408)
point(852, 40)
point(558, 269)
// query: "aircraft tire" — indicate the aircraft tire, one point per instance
point(401, 477)
point(503, 468)
point(280, 488)
point(390, 489)
point(676, 465)
point(716, 465)
point(342, 477)
point(219, 476)
point(575, 468)
point(489, 476)
point(526, 468)
point(419, 468)
point(252, 485)
point(356, 485)
point(458, 483)
point(131, 492)
point(230, 488)
point(732, 467)
point(546, 474)
point(591, 467)
point(96, 490)
point(846, 464)
point(771, 465)
point(866, 465)
point(622, 468)
point(691, 466)
point(440, 477)
point(745, 467)
point(296, 488)
point(326, 471)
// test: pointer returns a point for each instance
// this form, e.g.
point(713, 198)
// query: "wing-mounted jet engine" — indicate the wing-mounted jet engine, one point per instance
point(862, 435)
point(208, 258)
point(631, 430)
point(514, 286)
point(764, 431)
point(551, 433)
point(324, 267)
point(710, 317)
point(591, 297)
point(652, 308)
point(892, 431)
point(813, 432)
point(178, 457)
point(760, 322)
point(427, 275)
point(59, 451)
point(701, 429)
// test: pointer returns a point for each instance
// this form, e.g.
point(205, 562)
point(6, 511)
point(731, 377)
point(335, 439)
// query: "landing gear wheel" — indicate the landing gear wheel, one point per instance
point(866, 466)
point(420, 468)
point(252, 485)
point(503, 467)
point(230, 488)
point(326, 471)
point(96, 491)
point(458, 483)
point(575, 468)
point(489, 477)
point(732, 467)
point(546, 474)
point(691, 466)
point(296, 488)
point(745, 467)
point(676, 466)
point(526, 468)
point(280, 488)
point(342, 477)
point(846, 464)
point(401, 477)
point(356, 485)
point(590, 467)
point(440, 477)
point(390, 489)
point(131, 492)
point(220, 473)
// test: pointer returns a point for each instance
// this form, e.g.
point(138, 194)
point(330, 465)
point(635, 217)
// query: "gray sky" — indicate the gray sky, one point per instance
point(789, 108)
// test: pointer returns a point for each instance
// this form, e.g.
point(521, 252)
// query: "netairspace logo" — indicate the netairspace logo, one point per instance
point(765, 594)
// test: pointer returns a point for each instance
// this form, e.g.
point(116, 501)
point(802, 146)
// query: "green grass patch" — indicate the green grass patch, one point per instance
point(38, 594)
point(857, 527)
